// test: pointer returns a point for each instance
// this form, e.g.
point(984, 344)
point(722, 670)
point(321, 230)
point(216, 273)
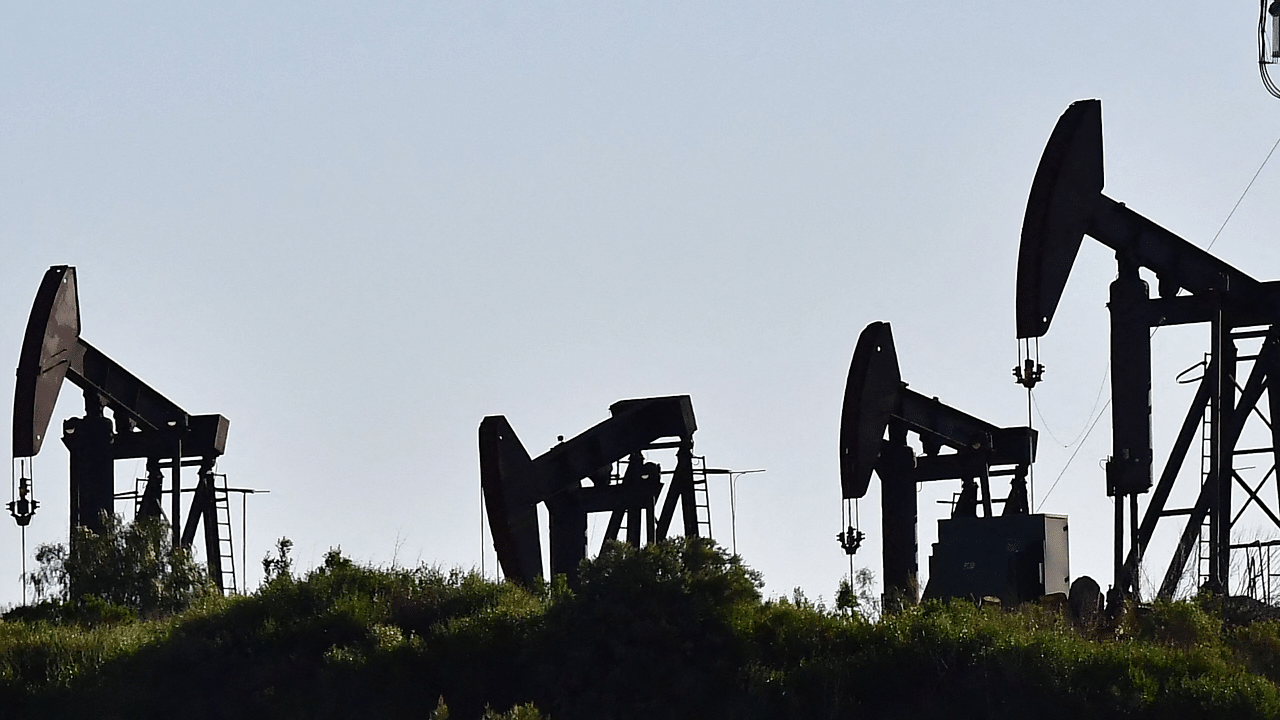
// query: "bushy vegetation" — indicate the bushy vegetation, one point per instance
point(123, 572)
point(673, 630)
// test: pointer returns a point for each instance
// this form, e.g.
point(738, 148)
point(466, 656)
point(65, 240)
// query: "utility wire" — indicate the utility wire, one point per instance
point(1085, 428)
point(1246, 192)
point(1091, 426)
point(1073, 455)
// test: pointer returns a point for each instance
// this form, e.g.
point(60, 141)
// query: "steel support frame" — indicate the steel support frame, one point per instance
point(633, 499)
point(1229, 406)
point(900, 471)
point(94, 443)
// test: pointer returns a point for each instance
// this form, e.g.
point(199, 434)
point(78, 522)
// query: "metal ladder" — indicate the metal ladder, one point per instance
point(1206, 460)
point(701, 497)
point(139, 485)
point(619, 469)
point(226, 549)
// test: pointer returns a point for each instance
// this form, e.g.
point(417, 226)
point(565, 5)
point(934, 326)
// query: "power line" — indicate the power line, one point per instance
point(1246, 192)
point(1097, 398)
point(1073, 455)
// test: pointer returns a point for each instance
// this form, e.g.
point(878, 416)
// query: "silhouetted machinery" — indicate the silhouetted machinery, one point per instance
point(143, 424)
point(1065, 204)
point(1268, 42)
point(1015, 556)
point(515, 484)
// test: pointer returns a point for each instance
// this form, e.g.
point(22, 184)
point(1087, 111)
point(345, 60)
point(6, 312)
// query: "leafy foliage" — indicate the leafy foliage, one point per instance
point(858, 596)
point(678, 601)
point(278, 568)
point(673, 630)
point(1176, 624)
point(127, 569)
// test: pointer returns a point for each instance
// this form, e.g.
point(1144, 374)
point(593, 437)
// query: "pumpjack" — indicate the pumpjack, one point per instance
point(143, 424)
point(1015, 556)
point(515, 484)
point(1066, 203)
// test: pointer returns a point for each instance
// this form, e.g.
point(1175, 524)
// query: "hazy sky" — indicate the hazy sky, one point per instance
point(357, 230)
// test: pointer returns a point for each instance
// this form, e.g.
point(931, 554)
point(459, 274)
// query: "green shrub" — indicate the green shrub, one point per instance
point(1183, 624)
point(1257, 648)
point(123, 570)
point(652, 630)
point(676, 629)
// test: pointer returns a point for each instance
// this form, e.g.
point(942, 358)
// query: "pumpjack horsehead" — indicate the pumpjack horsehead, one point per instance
point(143, 424)
point(1015, 556)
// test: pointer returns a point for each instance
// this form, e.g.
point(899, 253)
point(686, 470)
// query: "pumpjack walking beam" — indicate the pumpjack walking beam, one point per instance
point(1065, 204)
point(877, 402)
point(144, 423)
point(514, 484)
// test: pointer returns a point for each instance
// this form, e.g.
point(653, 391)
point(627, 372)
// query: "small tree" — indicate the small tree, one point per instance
point(859, 596)
point(128, 565)
point(280, 568)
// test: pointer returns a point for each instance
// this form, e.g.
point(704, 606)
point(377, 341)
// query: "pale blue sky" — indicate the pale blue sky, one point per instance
point(357, 230)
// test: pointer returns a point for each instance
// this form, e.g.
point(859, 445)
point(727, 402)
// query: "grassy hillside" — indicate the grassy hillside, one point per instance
point(670, 631)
